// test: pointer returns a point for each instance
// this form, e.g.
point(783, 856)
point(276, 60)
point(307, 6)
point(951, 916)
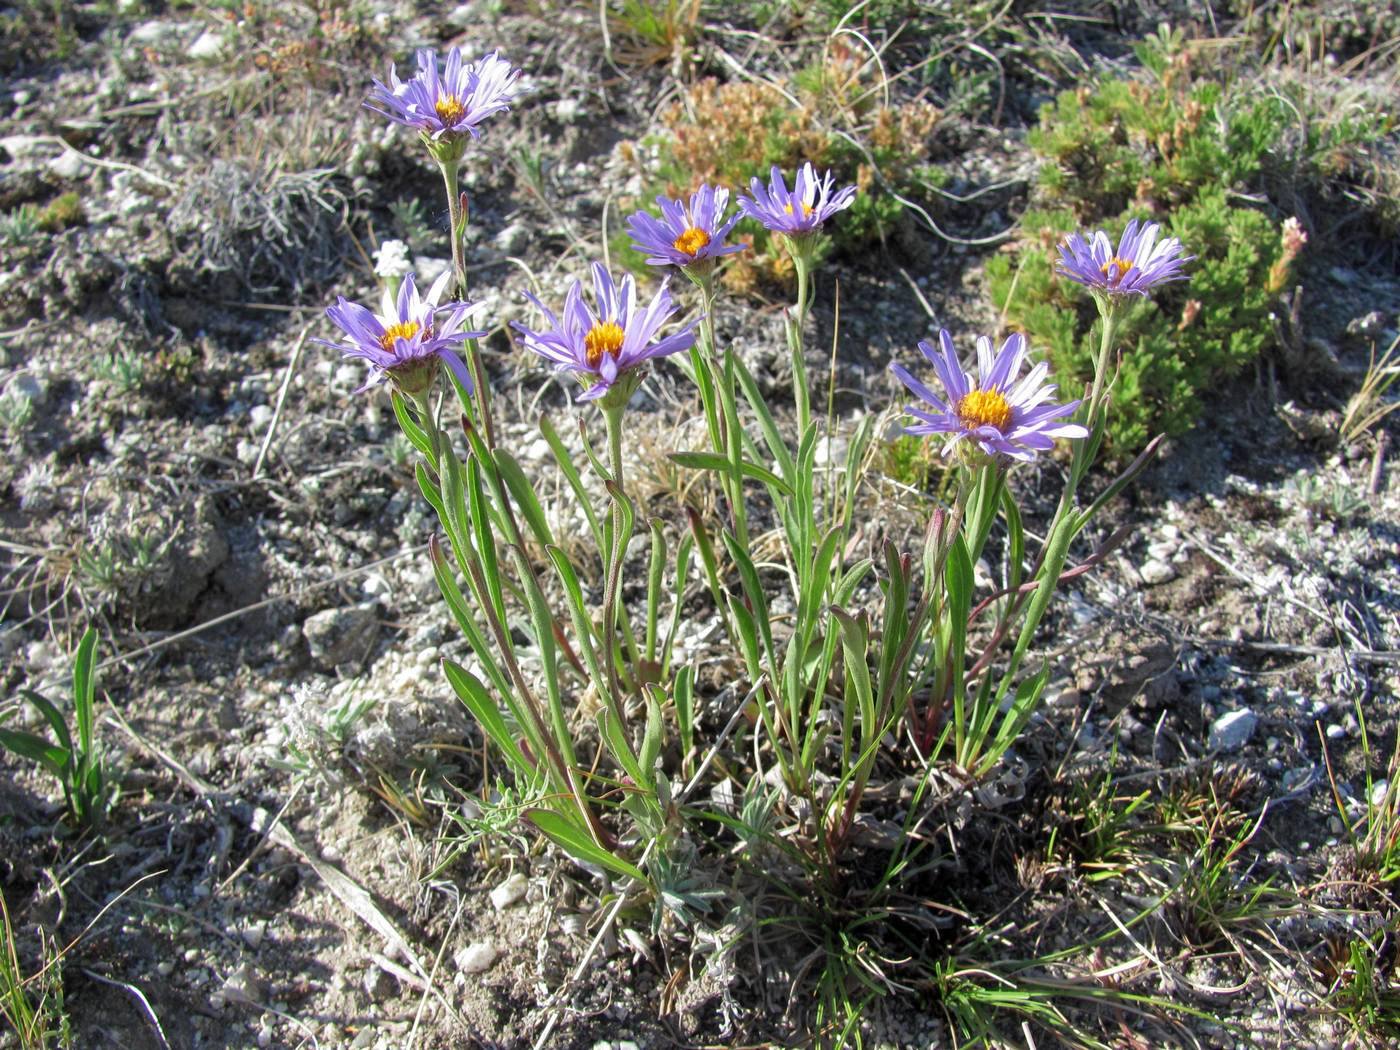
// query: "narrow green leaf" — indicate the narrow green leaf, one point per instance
point(615, 737)
point(84, 690)
point(715, 461)
point(654, 735)
point(571, 475)
point(523, 493)
point(52, 716)
point(776, 445)
point(416, 435)
point(431, 492)
point(683, 693)
point(472, 692)
point(53, 759)
point(576, 842)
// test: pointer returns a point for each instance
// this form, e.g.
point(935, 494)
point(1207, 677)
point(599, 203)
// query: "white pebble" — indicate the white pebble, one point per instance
point(509, 892)
point(476, 957)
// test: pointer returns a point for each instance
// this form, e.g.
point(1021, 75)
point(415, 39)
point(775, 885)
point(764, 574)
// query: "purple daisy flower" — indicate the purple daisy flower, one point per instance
point(1140, 263)
point(606, 345)
point(449, 103)
point(1003, 416)
point(686, 235)
point(801, 211)
point(410, 337)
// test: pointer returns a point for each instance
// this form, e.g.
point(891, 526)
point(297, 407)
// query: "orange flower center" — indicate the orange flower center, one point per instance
point(395, 332)
point(983, 408)
point(450, 109)
point(1124, 265)
point(605, 337)
point(806, 209)
point(691, 241)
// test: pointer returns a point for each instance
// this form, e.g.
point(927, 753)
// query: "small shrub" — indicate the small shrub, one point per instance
point(1181, 148)
point(728, 134)
point(60, 213)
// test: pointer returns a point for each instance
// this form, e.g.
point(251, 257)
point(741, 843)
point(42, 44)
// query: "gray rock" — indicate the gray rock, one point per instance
point(1155, 571)
point(476, 957)
point(25, 147)
point(514, 239)
point(509, 892)
point(149, 34)
point(68, 165)
point(342, 636)
point(30, 387)
point(1232, 730)
point(379, 985)
point(242, 986)
point(207, 45)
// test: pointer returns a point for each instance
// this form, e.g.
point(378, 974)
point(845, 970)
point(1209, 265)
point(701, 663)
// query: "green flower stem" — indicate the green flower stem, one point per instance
point(1068, 520)
point(1095, 410)
point(457, 223)
point(617, 551)
point(425, 412)
point(732, 435)
point(797, 321)
point(981, 499)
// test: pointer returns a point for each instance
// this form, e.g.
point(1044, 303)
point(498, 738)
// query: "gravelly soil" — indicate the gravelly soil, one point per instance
point(190, 459)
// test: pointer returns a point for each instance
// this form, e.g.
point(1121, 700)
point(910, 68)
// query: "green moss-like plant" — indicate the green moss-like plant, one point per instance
point(728, 134)
point(1182, 150)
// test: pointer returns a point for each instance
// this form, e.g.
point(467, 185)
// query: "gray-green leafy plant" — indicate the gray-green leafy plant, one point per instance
point(74, 757)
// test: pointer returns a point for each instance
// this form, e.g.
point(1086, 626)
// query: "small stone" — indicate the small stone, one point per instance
point(514, 239)
point(165, 967)
point(831, 451)
point(207, 45)
point(1378, 792)
point(30, 387)
point(342, 636)
point(148, 34)
point(247, 452)
point(259, 416)
point(379, 985)
point(1155, 571)
point(476, 957)
point(253, 935)
point(1232, 730)
point(1335, 732)
point(68, 165)
point(242, 986)
point(25, 147)
point(509, 892)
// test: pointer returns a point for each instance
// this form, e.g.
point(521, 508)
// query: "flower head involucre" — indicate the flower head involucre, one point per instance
point(449, 103)
point(1003, 416)
point(689, 236)
point(1141, 262)
point(800, 211)
point(605, 345)
point(408, 339)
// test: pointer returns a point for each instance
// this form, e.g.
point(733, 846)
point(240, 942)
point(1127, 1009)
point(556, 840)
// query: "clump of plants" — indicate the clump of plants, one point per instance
point(1182, 146)
point(846, 672)
point(729, 134)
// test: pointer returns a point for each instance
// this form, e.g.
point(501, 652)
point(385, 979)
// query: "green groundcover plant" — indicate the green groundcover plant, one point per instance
point(1183, 147)
point(852, 668)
